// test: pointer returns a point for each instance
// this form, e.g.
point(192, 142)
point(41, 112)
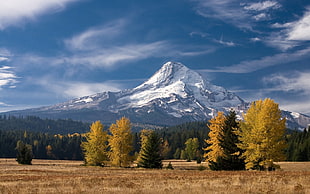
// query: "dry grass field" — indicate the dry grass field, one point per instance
point(48, 176)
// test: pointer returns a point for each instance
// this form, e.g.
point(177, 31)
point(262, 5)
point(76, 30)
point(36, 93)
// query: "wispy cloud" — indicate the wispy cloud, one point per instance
point(108, 57)
point(226, 10)
point(293, 81)
point(300, 30)
point(7, 77)
point(236, 13)
point(12, 12)
point(260, 6)
point(96, 37)
point(225, 43)
point(254, 65)
point(296, 83)
point(73, 89)
point(291, 34)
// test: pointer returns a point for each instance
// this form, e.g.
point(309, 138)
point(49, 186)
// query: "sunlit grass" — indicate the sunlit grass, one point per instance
point(54, 176)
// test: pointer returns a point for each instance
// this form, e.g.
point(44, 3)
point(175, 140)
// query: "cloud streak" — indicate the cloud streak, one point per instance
point(254, 65)
point(260, 6)
point(94, 37)
point(292, 34)
point(236, 13)
point(296, 83)
point(12, 12)
point(7, 77)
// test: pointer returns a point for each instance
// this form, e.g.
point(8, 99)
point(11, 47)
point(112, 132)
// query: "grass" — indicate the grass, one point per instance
point(54, 176)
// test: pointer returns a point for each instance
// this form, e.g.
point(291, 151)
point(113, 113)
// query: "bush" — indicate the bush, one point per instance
point(24, 153)
point(169, 166)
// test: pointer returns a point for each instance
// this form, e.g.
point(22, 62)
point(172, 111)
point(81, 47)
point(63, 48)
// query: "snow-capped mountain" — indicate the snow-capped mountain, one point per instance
point(173, 95)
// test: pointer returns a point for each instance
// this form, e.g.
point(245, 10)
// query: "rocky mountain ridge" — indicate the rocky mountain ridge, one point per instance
point(173, 95)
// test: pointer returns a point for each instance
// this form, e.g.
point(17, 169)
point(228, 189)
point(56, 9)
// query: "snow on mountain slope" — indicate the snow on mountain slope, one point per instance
point(175, 81)
point(173, 95)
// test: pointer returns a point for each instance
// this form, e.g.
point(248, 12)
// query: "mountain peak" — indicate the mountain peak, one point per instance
point(172, 72)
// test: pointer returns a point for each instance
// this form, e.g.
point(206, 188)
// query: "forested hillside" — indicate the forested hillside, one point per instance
point(44, 145)
point(33, 123)
point(49, 145)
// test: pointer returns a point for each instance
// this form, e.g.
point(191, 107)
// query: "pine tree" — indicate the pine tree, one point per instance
point(149, 156)
point(262, 135)
point(24, 153)
point(191, 148)
point(231, 159)
point(95, 146)
point(121, 143)
point(144, 134)
point(214, 149)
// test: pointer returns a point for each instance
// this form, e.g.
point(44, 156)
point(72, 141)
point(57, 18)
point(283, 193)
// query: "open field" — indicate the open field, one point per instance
point(49, 176)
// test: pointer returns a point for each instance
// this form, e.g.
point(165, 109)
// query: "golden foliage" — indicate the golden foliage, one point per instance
point(262, 134)
point(95, 146)
point(214, 150)
point(120, 142)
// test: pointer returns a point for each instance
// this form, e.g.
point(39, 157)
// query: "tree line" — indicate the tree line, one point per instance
point(191, 141)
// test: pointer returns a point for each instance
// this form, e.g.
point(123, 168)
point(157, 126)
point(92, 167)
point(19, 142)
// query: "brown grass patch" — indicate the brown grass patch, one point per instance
point(54, 176)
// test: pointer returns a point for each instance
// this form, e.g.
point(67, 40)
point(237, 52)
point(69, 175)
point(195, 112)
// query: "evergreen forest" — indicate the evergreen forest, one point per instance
point(47, 143)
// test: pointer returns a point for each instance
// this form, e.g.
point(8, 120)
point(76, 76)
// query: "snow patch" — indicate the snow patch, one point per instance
point(295, 115)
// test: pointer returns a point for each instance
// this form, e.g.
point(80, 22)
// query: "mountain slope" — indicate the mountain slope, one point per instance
point(173, 95)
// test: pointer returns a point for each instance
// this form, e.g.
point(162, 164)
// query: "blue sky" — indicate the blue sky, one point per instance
point(55, 50)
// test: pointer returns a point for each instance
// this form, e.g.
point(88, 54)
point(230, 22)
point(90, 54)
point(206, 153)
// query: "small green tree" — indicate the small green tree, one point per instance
point(191, 148)
point(24, 153)
point(149, 156)
point(95, 146)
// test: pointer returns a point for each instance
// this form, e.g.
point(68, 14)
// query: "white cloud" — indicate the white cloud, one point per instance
point(254, 65)
point(236, 13)
point(292, 34)
point(296, 83)
point(261, 16)
point(73, 89)
point(7, 77)
point(228, 11)
point(78, 89)
point(256, 39)
point(300, 30)
point(94, 37)
point(3, 59)
point(226, 43)
point(12, 12)
point(260, 6)
point(110, 56)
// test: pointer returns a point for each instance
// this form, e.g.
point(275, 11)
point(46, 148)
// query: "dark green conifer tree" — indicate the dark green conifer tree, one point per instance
point(150, 153)
point(24, 153)
point(231, 159)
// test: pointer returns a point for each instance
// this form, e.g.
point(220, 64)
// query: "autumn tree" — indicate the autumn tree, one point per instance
point(262, 135)
point(191, 148)
point(121, 143)
point(24, 153)
point(230, 160)
point(214, 148)
point(95, 146)
point(149, 156)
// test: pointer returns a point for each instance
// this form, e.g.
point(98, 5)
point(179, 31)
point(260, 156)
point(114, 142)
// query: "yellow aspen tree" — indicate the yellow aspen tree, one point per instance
point(121, 143)
point(262, 135)
point(95, 146)
point(214, 150)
